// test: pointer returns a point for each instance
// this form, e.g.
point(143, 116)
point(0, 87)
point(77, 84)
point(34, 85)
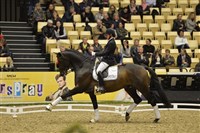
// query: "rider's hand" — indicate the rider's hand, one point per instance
point(93, 53)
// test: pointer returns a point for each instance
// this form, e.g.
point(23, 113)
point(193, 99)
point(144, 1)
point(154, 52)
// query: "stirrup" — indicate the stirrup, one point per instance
point(97, 91)
point(49, 107)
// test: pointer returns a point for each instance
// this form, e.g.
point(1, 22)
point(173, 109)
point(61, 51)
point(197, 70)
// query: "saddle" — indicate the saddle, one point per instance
point(110, 73)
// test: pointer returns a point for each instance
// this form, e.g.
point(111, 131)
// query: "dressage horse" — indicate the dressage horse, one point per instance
point(131, 77)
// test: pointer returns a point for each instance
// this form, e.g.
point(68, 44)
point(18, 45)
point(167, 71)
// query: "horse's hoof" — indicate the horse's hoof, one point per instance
point(127, 117)
point(48, 108)
point(93, 121)
point(156, 120)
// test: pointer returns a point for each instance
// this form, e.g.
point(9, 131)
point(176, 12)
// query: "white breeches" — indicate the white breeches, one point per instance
point(102, 66)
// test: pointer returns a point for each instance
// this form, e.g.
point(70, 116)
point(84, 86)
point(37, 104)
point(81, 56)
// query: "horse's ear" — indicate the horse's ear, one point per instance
point(59, 55)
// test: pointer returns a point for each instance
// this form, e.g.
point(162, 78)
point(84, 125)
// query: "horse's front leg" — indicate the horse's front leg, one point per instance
point(95, 106)
point(72, 92)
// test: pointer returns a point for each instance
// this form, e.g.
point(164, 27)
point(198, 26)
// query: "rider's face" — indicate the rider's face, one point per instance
point(61, 82)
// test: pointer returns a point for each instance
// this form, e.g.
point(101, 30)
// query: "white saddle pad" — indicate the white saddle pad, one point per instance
point(112, 74)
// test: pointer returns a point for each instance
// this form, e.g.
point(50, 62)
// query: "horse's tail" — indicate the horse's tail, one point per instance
point(158, 87)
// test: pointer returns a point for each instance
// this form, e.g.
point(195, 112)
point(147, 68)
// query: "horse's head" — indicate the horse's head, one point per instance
point(63, 63)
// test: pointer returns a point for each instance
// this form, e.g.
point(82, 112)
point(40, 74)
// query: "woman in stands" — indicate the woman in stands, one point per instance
point(125, 49)
point(157, 60)
point(55, 17)
point(87, 15)
point(38, 16)
point(49, 12)
point(183, 59)
point(191, 24)
point(179, 23)
point(181, 41)
point(168, 60)
point(133, 8)
point(111, 11)
point(60, 32)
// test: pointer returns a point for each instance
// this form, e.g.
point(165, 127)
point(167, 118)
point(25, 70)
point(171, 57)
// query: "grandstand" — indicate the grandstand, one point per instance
point(27, 51)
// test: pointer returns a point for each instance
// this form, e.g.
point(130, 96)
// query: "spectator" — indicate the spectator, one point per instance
point(49, 12)
point(111, 11)
point(133, 9)
point(144, 9)
point(197, 9)
point(55, 17)
point(151, 3)
point(183, 59)
point(5, 52)
point(116, 20)
point(84, 45)
point(60, 32)
point(62, 84)
point(107, 21)
point(113, 28)
point(157, 60)
point(104, 3)
point(178, 24)
point(88, 53)
point(125, 49)
point(181, 41)
point(197, 67)
point(70, 3)
point(48, 33)
point(125, 16)
point(38, 16)
point(121, 32)
point(84, 4)
point(134, 47)
point(97, 46)
point(69, 15)
point(99, 30)
point(118, 56)
point(140, 58)
point(99, 15)
point(149, 49)
point(190, 23)
point(87, 15)
point(168, 60)
point(88, 27)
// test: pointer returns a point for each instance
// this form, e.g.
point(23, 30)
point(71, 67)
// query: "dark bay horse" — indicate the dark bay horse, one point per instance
point(131, 77)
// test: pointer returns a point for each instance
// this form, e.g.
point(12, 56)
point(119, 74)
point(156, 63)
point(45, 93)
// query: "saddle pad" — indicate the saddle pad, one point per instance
point(112, 74)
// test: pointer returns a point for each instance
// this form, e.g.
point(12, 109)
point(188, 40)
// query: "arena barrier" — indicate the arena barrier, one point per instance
point(120, 109)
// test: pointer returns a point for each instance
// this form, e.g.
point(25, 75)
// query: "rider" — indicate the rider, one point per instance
point(108, 58)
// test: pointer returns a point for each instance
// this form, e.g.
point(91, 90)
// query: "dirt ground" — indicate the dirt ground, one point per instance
point(140, 122)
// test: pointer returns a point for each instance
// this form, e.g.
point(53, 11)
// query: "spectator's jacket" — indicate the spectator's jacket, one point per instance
point(97, 48)
point(84, 49)
point(148, 49)
point(138, 59)
point(154, 60)
point(187, 59)
point(168, 61)
point(48, 31)
point(108, 53)
point(177, 25)
point(97, 30)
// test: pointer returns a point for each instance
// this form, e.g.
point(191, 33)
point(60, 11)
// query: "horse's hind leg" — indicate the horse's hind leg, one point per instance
point(95, 106)
point(132, 92)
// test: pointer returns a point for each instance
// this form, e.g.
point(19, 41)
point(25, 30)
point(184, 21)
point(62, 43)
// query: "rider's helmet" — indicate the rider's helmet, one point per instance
point(110, 32)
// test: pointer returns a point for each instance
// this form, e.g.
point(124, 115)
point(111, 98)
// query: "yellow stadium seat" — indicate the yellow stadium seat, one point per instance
point(147, 34)
point(95, 10)
point(184, 17)
point(80, 27)
point(176, 11)
point(166, 44)
point(64, 42)
point(161, 71)
point(154, 27)
point(166, 27)
point(129, 27)
point(172, 4)
point(136, 19)
point(114, 2)
point(170, 19)
point(189, 52)
point(77, 18)
point(171, 35)
point(160, 19)
point(40, 26)
point(194, 61)
point(156, 44)
point(193, 3)
point(50, 43)
point(124, 3)
point(86, 34)
point(75, 43)
point(138, 2)
point(141, 27)
point(142, 43)
point(53, 52)
point(165, 12)
point(197, 18)
point(174, 70)
point(197, 53)
point(174, 53)
point(196, 36)
point(60, 10)
point(188, 11)
point(160, 36)
point(105, 9)
point(193, 44)
point(127, 60)
point(131, 42)
point(187, 35)
point(92, 24)
point(3, 61)
point(78, 1)
point(147, 19)
point(183, 4)
point(73, 35)
point(68, 26)
point(135, 35)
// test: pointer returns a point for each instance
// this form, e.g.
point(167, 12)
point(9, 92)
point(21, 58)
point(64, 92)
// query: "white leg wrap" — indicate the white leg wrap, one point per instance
point(131, 107)
point(55, 102)
point(156, 111)
point(96, 114)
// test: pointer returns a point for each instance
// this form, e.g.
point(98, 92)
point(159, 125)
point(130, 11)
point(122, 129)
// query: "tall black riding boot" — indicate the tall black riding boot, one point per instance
point(101, 83)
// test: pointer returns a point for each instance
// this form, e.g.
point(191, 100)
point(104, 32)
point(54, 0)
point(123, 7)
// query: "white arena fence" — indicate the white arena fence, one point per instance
point(117, 109)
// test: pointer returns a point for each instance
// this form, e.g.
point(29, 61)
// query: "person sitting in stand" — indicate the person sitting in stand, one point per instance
point(97, 46)
point(49, 12)
point(84, 45)
point(149, 49)
point(179, 23)
point(99, 30)
point(55, 17)
point(183, 59)
point(157, 60)
point(140, 58)
point(181, 41)
point(69, 15)
point(108, 58)
point(168, 60)
point(60, 32)
point(125, 49)
point(87, 15)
